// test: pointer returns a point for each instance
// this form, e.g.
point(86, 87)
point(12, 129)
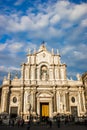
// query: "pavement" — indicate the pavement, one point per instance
point(45, 127)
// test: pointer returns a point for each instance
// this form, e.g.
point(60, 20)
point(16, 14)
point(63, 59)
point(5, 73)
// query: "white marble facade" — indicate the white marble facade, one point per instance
point(43, 80)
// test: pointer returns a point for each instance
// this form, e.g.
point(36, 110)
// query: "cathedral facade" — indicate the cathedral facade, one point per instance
point(43, 88)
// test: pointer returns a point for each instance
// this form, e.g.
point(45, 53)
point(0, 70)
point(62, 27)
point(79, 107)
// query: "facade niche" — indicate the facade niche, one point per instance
point(44, 72)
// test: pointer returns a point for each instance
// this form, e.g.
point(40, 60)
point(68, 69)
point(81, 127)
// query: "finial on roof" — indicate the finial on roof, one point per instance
point(34, 50)
point(42, 47)
point(16, 75)
point(29, 51)
point(43, 42)
point(78, 77)
point(57, 52)
point(52, 51)
point(9, 75)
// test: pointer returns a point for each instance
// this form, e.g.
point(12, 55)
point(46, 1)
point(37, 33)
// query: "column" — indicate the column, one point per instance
point(64, 103)
point(6, 101)
point(34, 101)
point(35, 67)
point(34, 74)
point(58, 102)
point(53, 67)
point(21, 101)
point(81, 99)
point(54, 101)
point(67, 102)
point(38, 73)
point(79, 102)
point(61, 102)
point(29, 67)
point(86, 99)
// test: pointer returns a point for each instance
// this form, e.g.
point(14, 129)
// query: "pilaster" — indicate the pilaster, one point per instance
point(54, 100)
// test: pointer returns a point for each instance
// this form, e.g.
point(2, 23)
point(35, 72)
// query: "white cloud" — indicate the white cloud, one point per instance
point(11, 68)
point(2, 20)
point(75, 55)
point(3, 46)
point(7, 69)
point(11, 46)
point(77, 11)
point(2, 68)
point(31, 46)
point(61, 13)
point(67, 49)
point(84, 23)
point(18, 2)
point(15, 47)
point(55, 19)
point(81, 52)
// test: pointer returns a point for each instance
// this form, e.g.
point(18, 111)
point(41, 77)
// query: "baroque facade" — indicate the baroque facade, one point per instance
point(43, 88)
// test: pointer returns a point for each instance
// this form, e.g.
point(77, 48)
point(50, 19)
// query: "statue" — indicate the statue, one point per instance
point(57, 52)
point(44, 76)
point(52, 51)
point(29, 51)
point(34, 50)
point(44, 73)
point(78, 77)
point(71, 78)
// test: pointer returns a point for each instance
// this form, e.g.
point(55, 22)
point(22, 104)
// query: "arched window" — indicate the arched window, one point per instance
point(44, 72)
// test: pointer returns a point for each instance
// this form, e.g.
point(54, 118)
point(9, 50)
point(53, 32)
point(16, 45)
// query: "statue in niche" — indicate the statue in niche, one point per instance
point(29, 103)
point(29, 98)
point(44, 72)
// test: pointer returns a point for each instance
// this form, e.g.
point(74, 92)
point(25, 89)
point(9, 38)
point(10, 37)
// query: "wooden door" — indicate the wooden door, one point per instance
point(45, 109)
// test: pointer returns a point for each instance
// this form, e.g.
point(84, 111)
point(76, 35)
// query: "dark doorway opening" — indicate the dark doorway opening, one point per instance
point(74, 111)
point(13, 112)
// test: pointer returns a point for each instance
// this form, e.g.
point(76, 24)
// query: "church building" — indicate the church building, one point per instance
point(43, 88)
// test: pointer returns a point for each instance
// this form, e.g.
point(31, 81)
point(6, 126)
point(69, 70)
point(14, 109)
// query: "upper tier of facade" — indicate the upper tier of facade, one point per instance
point(43, 68)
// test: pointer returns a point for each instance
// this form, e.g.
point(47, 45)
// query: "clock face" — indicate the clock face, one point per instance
point(14, 99)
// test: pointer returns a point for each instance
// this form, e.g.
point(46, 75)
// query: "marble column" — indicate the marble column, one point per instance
point(67, 102)
point(34, 101)
point(81, 99)
point(58, 101)
point(79, 102)
point(6, 101)
point(54, 101)
point(35, 67)
point(21, 101)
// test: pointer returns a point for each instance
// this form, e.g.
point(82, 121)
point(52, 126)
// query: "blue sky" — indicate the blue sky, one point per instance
point(62, 24)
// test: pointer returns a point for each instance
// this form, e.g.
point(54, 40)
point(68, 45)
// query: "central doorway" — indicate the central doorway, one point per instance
point(13, 112)
point(74, 111)
point(44, 109)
